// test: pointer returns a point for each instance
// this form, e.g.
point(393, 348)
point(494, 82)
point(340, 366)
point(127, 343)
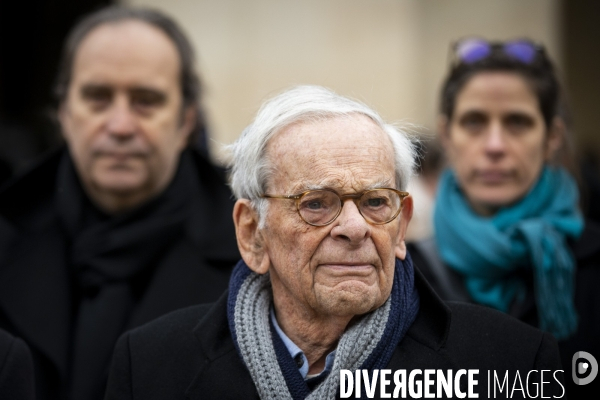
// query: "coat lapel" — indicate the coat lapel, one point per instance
point(222, 375)
point(423, 347)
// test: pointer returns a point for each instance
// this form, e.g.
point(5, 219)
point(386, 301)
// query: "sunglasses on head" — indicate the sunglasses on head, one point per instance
point(471, 50)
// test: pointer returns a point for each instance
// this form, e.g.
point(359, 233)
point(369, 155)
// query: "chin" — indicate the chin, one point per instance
point(350, 300)
point(121, 182)
point(496, 202)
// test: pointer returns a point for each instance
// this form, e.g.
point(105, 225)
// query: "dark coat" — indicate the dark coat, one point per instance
point(16, 369)
point(36, 287)
point(189, 354)
point(450, 285)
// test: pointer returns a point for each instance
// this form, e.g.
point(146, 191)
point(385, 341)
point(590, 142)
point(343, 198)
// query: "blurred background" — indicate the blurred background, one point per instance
point(391, 54)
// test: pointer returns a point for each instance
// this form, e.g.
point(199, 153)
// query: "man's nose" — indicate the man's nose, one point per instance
point(121, 120)
point(351, 225)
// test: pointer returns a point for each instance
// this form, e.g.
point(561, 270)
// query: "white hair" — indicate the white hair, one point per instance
point(250, 166)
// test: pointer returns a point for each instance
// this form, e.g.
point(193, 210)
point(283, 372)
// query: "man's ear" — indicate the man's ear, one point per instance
point(188, 122)
point(405, 216)
point(249, 237)
point(64, 120)
point(556, 136)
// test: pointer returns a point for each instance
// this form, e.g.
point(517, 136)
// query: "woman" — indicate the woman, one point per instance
point(508, 231)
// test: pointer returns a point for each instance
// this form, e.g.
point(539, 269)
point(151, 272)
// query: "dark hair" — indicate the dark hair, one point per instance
point(189, 81)
point(539, 74)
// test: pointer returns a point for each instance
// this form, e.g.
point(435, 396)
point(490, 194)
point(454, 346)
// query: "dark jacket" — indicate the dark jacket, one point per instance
point(450, 285)
point(189, 354)
point(39, 287)
point(16, 369)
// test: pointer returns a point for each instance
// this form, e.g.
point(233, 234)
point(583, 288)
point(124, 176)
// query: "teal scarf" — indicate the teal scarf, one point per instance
point(532, 234)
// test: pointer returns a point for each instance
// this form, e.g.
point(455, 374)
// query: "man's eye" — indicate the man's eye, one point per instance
point(145, 99)
point(317, 203)
point(375, 202)
point(314, 205)
point(97, 97)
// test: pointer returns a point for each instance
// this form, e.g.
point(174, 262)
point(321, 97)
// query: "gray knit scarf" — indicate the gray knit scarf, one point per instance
point(360, 347)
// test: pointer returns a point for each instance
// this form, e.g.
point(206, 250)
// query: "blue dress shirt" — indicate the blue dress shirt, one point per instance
point(298, 355)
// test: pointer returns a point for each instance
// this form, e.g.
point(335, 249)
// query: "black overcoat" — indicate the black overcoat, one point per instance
point(36, 290)
point(189, 354)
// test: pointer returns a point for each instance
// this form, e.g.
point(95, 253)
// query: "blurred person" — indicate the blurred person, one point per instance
point(325, 282)
point(508, 230)
point(126, 223)
point(16, 369)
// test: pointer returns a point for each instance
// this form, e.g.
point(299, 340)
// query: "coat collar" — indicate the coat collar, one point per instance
point(432, 325)
point(222, 365)
point(213, 330)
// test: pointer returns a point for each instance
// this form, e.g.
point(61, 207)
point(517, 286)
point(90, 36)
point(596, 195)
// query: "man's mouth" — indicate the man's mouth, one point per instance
point(119, 156)
point(344, 269)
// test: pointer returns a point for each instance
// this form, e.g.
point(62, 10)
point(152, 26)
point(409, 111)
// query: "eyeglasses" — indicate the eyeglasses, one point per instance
point(321, 207)
point(471, 50)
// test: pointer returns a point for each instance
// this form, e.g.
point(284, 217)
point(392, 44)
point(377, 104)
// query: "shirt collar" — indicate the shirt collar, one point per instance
point(298, 355)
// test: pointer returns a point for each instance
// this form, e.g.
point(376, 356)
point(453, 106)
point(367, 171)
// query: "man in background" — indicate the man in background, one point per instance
point(127, 222)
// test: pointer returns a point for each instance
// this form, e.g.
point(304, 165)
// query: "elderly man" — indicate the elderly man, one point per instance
point(125, 224)
point(326, 284)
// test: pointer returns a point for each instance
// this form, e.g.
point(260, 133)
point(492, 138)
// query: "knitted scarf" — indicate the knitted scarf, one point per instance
point(532, 234)
point(368, 344)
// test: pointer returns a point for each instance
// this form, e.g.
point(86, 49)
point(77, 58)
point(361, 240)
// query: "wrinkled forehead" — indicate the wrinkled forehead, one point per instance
point(315, 133)
point(331, 146)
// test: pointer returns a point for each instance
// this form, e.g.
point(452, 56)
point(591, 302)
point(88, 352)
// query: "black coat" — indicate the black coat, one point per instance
point(37, 284)
point(16, 369)
point(450, 285)
point(189, 354)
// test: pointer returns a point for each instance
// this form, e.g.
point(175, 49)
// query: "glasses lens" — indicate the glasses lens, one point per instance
point(380, 205)
point(472, 50)
point(522, 50)
point(319, 207)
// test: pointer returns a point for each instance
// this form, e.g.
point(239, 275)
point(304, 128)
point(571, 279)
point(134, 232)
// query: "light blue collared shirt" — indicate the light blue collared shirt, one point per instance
point(296, 352)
